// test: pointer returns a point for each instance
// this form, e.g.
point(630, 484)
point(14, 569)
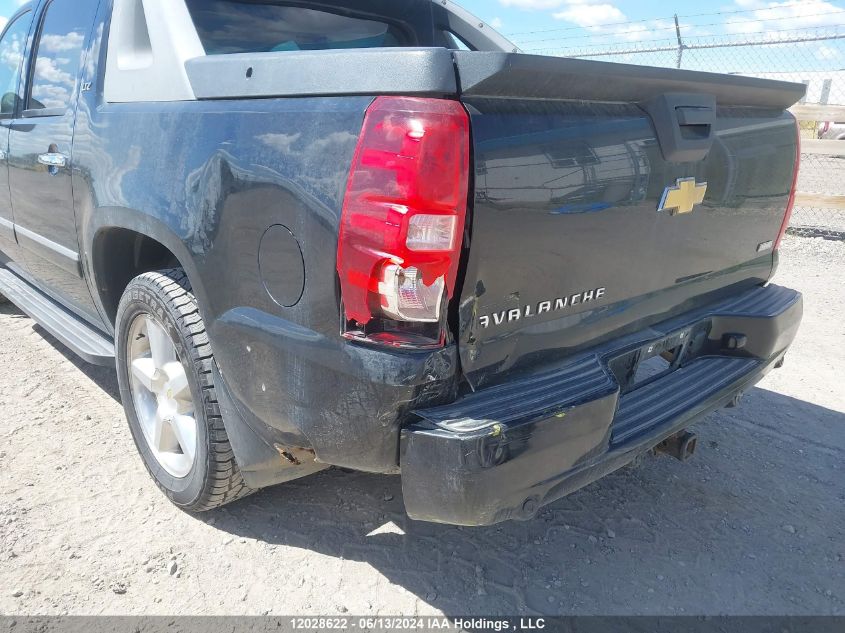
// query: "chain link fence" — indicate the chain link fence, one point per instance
point(813, 56)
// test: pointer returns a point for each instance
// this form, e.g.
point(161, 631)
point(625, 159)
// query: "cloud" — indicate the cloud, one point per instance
point(534, 5)
point(280, 142)
point(604, 19)
point(652, 30)
point(606, 24)
point(48, 70)
point(12, 52)
point(779, 16)
point(60, 43)
point(496, 23)
point(588, 15)
point(827, 52)
point(51, 96)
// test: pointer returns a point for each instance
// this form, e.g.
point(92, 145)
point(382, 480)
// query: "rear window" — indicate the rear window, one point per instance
point(243, 26)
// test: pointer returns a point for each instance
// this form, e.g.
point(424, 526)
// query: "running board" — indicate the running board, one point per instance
point(81, 338)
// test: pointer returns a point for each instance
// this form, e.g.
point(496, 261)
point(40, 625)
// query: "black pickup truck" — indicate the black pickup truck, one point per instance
point(372, 234)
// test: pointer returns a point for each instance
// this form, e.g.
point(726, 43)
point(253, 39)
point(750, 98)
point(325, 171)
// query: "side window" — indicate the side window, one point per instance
point(60, 44)
point(455, 42)
point(12, 48)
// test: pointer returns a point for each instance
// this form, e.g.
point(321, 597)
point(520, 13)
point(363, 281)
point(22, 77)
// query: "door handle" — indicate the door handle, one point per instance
point(53, 159)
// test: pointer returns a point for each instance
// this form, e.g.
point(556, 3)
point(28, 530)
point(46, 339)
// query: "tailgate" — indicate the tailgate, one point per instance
point(584, 175)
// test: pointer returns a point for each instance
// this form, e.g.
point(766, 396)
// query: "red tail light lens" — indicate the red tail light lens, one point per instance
point(403, 220)
point(790, 204)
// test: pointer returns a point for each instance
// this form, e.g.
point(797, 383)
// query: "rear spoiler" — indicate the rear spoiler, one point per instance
point(540, 77)
point(324, 73)
point(431, 72)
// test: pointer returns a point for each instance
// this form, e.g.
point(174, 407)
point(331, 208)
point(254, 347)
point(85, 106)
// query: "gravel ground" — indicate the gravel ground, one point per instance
point(755, 524)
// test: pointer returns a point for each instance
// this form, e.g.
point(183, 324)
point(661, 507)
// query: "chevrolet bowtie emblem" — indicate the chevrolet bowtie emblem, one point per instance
point(683, 197)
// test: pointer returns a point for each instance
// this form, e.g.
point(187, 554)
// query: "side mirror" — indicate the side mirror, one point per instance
point(8, 104)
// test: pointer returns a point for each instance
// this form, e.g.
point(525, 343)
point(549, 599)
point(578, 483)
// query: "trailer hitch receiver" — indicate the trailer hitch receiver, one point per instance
point(681, 446)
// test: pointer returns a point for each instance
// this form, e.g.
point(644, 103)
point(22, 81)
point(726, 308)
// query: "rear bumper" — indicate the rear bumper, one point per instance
point(505, 452)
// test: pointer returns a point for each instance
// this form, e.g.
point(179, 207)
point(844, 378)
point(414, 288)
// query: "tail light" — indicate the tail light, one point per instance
point(403, 221)
point(790, 204)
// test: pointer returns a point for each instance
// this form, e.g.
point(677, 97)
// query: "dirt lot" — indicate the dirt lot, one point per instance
point(755, 524)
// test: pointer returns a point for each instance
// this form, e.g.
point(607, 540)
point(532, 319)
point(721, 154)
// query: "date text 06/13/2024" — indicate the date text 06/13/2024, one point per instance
point(417, 624)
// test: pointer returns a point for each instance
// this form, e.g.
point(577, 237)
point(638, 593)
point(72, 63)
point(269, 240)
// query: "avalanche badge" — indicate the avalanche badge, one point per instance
point(683, 197)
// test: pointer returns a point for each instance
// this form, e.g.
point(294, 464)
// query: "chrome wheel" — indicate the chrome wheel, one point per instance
point(162, 396)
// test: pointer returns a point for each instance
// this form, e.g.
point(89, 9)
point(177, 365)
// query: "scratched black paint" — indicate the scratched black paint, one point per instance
point(566, 197)
point(207, 179)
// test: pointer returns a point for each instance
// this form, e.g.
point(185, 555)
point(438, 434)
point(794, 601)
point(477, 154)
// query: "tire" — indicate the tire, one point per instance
point(210, 477)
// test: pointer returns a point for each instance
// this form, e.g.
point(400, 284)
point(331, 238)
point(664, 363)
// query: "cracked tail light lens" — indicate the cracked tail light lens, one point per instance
point(403, 219)
point(407, 298)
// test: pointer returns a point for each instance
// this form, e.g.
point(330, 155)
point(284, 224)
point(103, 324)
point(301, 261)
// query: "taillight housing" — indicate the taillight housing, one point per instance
point(790, 204)
point(403, 221)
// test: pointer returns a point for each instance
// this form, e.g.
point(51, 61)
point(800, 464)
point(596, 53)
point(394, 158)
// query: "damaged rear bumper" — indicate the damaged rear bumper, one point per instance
point(505, 452)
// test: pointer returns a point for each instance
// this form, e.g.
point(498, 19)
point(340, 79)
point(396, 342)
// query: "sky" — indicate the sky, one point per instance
point(7, 8)
point(583, 27)
point(538, 23)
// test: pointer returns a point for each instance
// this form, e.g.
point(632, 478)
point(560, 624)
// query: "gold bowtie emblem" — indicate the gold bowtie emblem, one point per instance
point(683, 197)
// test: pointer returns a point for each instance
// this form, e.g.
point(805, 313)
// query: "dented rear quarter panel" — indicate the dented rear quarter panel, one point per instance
point(207, 179)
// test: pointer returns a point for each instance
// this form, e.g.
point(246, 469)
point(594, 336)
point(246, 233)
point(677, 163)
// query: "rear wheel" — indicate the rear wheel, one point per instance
point(164, 364)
